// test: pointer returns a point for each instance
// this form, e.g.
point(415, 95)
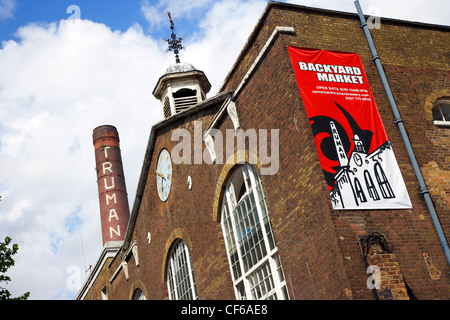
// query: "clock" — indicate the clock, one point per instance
point(358, 160)
point(164, 174)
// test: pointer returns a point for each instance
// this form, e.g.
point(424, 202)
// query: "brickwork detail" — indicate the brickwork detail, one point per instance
point(435, 274)
point(392, 285)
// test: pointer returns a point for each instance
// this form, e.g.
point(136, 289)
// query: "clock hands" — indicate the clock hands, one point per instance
point(162, 181)
point(163, 174)
point(160, 174)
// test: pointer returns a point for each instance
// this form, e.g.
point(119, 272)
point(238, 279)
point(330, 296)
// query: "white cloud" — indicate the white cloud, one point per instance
point(156, 14)
point(223, 32)
point(151, 14)
point(57, 84)
point(431, 11)
point(7, 8)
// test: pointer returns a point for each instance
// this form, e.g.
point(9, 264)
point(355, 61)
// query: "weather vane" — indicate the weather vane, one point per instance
point(174, 42)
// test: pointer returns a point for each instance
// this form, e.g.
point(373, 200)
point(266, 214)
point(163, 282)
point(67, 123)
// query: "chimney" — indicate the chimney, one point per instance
point(114, 209)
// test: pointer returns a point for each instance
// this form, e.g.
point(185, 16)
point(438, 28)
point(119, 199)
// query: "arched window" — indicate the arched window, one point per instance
point(252, 252)
point(138, 295)
point(441, 112)
point(180, 276)
point(359, 191)
point(383, 182)
point(373, 193)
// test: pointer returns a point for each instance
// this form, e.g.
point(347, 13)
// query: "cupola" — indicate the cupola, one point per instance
point(182, 86)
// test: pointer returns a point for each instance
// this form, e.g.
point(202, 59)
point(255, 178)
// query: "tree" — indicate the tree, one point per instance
point(6, 261)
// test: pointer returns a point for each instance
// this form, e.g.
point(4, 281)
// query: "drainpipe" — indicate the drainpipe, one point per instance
point(399, 122)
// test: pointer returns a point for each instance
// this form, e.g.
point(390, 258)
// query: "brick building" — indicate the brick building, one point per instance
point(210, 222)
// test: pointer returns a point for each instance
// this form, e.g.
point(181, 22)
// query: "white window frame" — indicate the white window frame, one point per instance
point(444, 122)
point(177, 289)
point(267, 270)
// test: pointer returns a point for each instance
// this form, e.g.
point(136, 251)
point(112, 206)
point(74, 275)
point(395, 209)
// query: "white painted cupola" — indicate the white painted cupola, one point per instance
point(182, 86)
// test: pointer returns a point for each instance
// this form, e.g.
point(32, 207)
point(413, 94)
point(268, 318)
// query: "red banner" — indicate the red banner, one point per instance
point(355, 154)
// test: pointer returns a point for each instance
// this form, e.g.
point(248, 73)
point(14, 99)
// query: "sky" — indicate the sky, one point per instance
point(66, 70)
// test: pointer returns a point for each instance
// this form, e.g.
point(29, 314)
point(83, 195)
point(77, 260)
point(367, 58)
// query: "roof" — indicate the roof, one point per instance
point(180, 67)
point(181, 71)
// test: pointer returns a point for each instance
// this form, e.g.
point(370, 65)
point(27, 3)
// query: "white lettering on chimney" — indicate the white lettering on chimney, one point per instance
point(113, 214)
point(112, 184)
point(113, 197)
point(117, 232)
point(107, 166)
point(106, 151)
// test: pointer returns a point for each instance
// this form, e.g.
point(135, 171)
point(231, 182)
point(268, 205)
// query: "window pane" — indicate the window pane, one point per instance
point(261, 282)
point(250, 234)
point(445, 108)
point(437, 113)
point(180, 277)
point(241, 291)
point(270, 237)
point(171, 285)
point(279, 270)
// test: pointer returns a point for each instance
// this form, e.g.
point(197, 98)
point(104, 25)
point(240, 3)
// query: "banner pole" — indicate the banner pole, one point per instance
point(399, 122)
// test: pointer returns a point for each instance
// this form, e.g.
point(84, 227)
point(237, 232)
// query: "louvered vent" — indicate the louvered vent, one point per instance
point(184, 99)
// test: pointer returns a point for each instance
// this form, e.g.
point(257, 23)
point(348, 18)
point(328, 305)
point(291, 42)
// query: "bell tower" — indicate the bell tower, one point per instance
point(182, 86)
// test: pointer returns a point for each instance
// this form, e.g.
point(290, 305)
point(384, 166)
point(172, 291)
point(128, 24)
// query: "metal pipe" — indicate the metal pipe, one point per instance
point(399, 122)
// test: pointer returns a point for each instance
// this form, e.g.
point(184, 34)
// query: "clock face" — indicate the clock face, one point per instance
point(358, 160)
point(164, 174)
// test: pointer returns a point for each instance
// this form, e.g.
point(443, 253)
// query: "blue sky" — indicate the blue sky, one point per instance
point(116, 14)
point(60, 78)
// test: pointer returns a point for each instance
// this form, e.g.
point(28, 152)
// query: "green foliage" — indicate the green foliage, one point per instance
point(6, 261)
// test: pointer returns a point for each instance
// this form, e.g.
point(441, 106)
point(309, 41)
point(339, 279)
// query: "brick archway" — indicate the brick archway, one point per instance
point(178, 233)
point(227, 170)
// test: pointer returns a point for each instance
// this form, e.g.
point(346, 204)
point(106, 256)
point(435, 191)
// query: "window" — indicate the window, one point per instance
point(370, 186)
point(250, 244)
point(359, 191)
point(138, 295)
point(441, 113)
point(383, 182)
point(180, 276)
point(104, 293)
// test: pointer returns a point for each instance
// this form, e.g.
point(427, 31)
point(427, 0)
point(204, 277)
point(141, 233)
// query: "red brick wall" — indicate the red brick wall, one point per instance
point(414, 62)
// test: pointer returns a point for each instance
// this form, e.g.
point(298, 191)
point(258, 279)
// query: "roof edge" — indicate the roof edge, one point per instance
point(110, 250)
point(274, 4)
